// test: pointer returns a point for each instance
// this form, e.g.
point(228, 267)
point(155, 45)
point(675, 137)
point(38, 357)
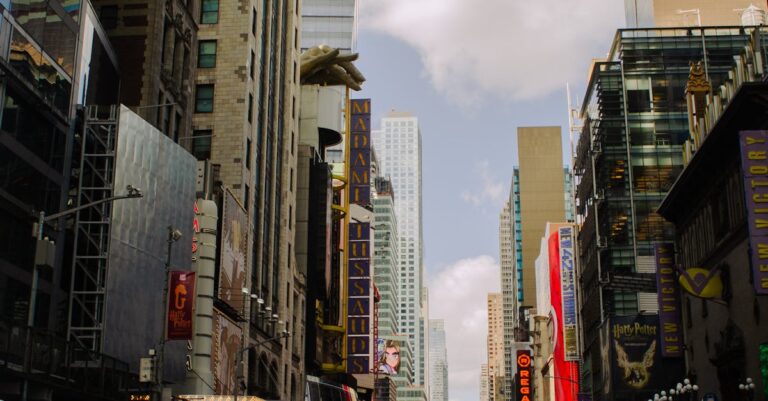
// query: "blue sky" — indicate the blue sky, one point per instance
point(473, 72)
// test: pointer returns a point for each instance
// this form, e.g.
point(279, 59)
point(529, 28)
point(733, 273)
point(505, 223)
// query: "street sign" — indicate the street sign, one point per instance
point(146, 370)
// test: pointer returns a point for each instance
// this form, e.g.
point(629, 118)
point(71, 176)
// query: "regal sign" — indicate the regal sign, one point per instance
point(754, 168)
point(524, 387)
point(669, 301)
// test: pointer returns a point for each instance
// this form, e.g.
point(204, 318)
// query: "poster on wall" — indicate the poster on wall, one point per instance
point(388, 356)
point(636, 358)
point(224, 348)
point(234, 248)
point(181, 296)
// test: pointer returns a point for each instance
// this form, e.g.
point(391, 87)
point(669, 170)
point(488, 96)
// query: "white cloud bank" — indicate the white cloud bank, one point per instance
point(458, 294)
point(511, 49)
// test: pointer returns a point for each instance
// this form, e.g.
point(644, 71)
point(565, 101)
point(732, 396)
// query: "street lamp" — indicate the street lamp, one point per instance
point(748, 388)
point(239, 357)
point(133, 192)
point(38, 228)
point(174, 234)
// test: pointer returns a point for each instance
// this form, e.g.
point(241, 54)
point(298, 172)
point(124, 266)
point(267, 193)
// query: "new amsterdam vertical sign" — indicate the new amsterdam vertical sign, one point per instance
point(360, 299)
point(754, 168)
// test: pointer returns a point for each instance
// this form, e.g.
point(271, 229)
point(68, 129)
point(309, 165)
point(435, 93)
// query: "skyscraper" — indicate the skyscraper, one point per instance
point(495, 346)
point(386, 256)
point(438, 361)
point(332, 23)
point(398, 146)
point(484, 382)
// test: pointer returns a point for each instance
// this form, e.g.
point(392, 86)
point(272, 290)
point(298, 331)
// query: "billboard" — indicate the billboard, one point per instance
point(568, 292)
point(181, 299)
point(234, 248)
point(360, 152)
point(636, 358)
point(562, 296)
point(224, 348)
point(670, 319)
point(754, 168)
point(387, 356)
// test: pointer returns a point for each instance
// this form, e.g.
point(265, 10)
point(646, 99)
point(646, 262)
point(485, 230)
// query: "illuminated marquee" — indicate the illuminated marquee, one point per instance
point(669, 301)
point(360, 342)
point(754, 168)
point(524, 377)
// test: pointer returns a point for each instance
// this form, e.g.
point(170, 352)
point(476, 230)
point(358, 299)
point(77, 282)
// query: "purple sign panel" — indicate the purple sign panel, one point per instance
point(359, 300)
point(360, 152)
point(671, 334)
point(754, 168)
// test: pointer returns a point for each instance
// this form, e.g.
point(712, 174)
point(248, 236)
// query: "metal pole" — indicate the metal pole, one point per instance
point(161, 346)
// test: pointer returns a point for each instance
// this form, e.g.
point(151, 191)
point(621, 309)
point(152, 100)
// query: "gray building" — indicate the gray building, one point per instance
point(329, 22)
point(438, 361)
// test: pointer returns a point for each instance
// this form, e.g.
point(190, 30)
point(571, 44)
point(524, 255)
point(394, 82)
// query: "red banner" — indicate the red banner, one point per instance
point(181, 295)
point(566, 374)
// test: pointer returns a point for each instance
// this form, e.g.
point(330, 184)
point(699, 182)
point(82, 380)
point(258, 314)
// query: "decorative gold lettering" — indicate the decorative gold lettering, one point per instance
point(756, 155)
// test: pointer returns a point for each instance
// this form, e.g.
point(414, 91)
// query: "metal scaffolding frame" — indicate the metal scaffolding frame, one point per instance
point(92, 227)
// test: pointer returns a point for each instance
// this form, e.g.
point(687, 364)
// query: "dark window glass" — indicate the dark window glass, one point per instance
point(250, 107)
point(201, 144)
point(204, 99)
point(209, 12)
point(253, 22)
point(108, 17)
point(206, 55)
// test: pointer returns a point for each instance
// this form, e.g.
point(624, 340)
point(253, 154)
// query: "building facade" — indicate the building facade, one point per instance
point(628, 155)
point(386, 257)
point(156, 44)
point(679, 13)
point(332, 23)
point(717, 232)
point(438, 360)
point(495, 345)
point(398, 146)
point(245, 132)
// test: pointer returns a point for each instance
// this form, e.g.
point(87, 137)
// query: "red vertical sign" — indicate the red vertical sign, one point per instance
point(566, 373)
point(181, 295)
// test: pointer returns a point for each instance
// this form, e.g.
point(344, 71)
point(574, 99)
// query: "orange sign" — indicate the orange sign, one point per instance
point(524, 378)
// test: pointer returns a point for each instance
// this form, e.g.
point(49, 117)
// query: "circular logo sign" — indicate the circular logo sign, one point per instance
point(523, 360)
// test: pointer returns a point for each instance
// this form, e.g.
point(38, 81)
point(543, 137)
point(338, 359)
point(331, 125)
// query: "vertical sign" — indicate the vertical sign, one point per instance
point(360, 345)
point(671, 335)
point(561, 293)
point(234, 251)
point(568, 291)
point(754, 168)
point(524, 378)
point(181, 295)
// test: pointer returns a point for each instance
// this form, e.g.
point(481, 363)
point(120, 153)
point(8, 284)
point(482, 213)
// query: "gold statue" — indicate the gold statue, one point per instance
point(323, 65)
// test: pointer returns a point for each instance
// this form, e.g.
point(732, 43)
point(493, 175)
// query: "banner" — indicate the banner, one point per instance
point(567, 388)
point(181, 297)
point(568, 286)
point(224, 348)
point(636, 358)
point(670, 318)
point(234, 248)
point(754, 168)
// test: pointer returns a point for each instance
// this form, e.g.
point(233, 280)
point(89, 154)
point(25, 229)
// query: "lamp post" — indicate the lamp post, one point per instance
point(239, 357)
point(133, 192)
point(174, 235)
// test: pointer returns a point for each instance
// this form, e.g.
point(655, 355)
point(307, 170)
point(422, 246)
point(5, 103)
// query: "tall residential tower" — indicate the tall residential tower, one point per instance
point(438, 361)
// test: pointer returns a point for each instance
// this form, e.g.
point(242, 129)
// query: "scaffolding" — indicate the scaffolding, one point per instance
point(92, 227)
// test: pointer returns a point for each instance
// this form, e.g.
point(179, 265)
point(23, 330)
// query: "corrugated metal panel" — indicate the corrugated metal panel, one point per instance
point(647, 301)
point(646, 264)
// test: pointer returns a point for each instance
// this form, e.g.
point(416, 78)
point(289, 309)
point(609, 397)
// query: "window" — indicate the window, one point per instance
point(201, 144)
point(250, 107)
point(248, 153)
point(253, 65)
point(253, 22)
point(108, 17)
point(206, 55)
point(204, 99)
point(209, 12)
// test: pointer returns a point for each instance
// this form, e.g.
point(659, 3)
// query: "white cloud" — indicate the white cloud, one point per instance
point(491, 190)
point(511, 49)
point(458, 294)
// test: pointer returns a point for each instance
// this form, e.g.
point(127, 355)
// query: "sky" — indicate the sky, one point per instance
point(472, 72)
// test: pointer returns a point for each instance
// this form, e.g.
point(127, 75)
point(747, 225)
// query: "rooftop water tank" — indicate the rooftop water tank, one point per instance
point(752, 15)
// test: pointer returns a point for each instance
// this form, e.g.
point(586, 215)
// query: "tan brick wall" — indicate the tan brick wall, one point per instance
point(713, 12)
